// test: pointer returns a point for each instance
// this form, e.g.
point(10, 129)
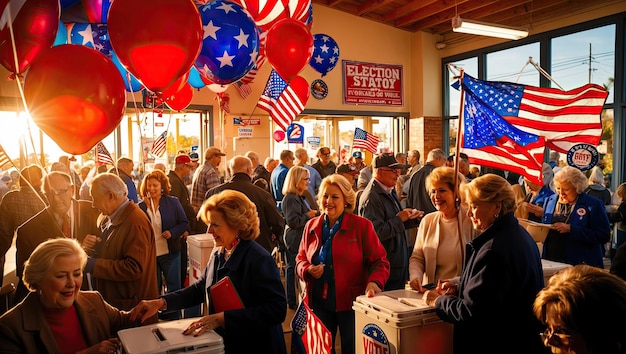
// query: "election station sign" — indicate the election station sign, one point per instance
point(372, 84)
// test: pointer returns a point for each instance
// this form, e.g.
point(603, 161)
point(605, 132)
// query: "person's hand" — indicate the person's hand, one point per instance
point(372, 289)
point(146, 309)
point(89, 242)
point(446, 287)
point(316, 271)
point(562, 227)
point(430, 296)
point(204, 324)
point(534, 209)
point(416, 214)
point(108, 346)
point(184, 235)
point(416, 284)
point(166, 234)
point(311, 213)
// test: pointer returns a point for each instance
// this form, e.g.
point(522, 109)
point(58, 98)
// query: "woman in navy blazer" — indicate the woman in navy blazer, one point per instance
point(580, 223)
point(257, 328)
point(169, 222)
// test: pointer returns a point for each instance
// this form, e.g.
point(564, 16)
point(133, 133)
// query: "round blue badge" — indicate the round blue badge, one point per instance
point(319, 89)
point(374, 339)
point(582, 156)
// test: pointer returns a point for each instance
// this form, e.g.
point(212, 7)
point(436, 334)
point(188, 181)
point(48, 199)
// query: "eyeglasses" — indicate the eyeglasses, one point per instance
point(325, 154)
point(555, 339)
point(392, 170)
point(306, 178)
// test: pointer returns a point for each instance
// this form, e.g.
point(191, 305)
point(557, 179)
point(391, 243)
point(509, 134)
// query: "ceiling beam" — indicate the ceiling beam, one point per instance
point(371, 6)
point(446, 15)
point(409, 7)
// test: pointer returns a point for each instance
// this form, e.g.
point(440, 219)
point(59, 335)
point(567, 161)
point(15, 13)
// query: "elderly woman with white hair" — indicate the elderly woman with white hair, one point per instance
point(596, 186)
point(580, 226)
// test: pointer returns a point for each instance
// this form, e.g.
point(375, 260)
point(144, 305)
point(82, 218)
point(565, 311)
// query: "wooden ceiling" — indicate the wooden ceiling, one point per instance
point(434, 16)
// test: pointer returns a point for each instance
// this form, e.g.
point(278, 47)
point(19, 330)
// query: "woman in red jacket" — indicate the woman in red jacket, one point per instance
point(340, 258)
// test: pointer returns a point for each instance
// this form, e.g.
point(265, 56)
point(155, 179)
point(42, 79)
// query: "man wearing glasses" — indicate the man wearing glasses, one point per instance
point(380, 204)
point(324, 165)
point(64, 217)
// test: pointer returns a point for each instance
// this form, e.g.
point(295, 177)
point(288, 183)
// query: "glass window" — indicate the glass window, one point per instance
point(513, 65)
point(585, 57)
point(470, 66)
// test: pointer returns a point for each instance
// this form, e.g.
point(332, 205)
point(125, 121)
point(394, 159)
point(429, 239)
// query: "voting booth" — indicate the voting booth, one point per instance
point(167, 337)
point(399, 322)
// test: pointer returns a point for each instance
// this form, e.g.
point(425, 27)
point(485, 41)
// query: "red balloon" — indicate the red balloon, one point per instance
point(279, 135)
point(75, 95)
point(181, 99)
point(35, 24)
point(301, 87)
point(288, 47)
point(175, 88)
point(162, 45)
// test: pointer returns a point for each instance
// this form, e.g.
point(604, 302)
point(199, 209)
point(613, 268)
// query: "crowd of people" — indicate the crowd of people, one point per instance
point(343, 228)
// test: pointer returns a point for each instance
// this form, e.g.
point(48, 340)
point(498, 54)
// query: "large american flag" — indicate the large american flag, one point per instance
point(490, 141)
point(4, 157)
point(102, 155)
point(365, 140)
point(159, 145)
point(564, 118)
point(280, 101)
point(315, 336)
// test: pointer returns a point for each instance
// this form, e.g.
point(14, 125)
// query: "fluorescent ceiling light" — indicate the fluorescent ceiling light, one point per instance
point(487, 29)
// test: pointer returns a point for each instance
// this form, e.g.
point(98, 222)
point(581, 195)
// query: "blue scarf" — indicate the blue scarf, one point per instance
point(327, 237)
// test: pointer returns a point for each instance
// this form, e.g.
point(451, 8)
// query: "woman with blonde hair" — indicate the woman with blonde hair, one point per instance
point(583, 308)
point(340, 258)
point(257, 327)
point(441, 238)
point(501, 276)
point(297, 212)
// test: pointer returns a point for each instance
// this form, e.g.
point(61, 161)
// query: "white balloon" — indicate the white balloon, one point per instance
point(217, 88)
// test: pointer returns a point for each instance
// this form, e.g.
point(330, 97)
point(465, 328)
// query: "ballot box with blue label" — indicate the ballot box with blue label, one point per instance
point(167, 337)
point(399, 322)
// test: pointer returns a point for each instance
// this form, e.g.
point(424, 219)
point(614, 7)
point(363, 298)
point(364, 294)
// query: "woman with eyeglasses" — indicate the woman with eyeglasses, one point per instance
point(583, 308)
point(580, 225)
point(297, 212)
point(490, 305)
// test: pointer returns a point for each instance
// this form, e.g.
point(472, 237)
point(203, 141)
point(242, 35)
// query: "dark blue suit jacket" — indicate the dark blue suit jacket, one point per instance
point(258, 327)
point(492, 312)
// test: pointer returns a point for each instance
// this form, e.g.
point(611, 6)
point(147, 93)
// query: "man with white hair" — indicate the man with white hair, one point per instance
point(418, 197)
point(124, 268)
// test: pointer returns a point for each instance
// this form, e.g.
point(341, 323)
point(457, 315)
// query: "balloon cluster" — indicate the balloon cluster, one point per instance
point(85, 66)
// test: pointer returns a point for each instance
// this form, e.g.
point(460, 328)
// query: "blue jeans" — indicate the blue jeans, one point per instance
point(168, 267)
point(290, 277)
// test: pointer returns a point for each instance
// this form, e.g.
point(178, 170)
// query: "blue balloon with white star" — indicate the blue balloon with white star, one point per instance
point(92, 35)
point(230, 45)
point(325, 53)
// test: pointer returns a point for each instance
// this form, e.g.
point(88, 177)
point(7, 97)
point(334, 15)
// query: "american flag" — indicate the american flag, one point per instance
point(490, 141)
point(315, 336)
point(564, 118)
point(159, 145)
point(280, 101)
point(102, 155)
point(4, 157)
point(244, 89)
point(365, 140)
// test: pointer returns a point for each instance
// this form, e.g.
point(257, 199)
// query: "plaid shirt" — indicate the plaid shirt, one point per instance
point(204, 179)
point(17, 207)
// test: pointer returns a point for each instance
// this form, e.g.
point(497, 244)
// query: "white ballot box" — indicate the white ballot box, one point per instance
point(399, 322)
point(551, 267)
point(167, 337)
point(199, 247)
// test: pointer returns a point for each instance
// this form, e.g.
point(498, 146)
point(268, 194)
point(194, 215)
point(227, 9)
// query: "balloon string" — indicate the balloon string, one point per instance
point(132, 93)
point(20, 86)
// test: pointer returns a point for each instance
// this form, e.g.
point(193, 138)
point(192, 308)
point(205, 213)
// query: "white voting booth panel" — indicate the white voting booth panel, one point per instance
point(199, 247)
point(551, 267)
point(167, 337)
point(399, 322)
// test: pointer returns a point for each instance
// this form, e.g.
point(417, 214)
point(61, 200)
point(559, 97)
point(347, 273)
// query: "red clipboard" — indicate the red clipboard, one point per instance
point(224, 296)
